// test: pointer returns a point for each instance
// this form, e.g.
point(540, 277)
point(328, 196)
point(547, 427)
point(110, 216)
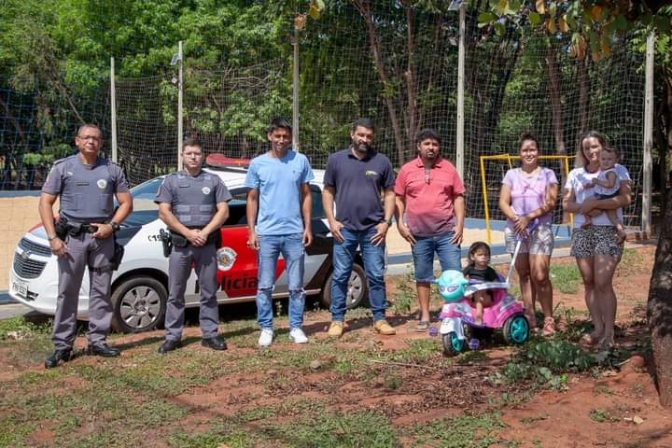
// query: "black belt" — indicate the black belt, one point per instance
point(180, 240)
point(87, 228)
point(78, 229)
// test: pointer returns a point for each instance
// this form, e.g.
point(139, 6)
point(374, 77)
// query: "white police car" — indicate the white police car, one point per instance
point(140, 285)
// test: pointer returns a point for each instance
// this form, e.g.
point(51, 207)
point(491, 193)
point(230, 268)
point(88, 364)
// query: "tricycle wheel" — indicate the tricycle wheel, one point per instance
point(516, 329)
point(452, 344)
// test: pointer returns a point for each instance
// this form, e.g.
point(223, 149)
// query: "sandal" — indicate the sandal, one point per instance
point(422, 325)
point(561, 325)
point(607, 345)
point(549, 327)
point(531, 319)
point(588, 340)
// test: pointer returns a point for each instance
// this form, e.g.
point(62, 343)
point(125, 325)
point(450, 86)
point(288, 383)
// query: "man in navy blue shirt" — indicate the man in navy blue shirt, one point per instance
point(354, 180)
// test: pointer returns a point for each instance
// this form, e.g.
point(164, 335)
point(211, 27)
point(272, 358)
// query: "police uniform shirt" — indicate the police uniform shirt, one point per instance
point(193, 199)
point(86, 192)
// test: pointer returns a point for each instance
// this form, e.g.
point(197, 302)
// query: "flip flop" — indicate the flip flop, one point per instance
point(607, 345)
point(532, 320)
point(549, 327)
point(422, 325)
point(588, 340)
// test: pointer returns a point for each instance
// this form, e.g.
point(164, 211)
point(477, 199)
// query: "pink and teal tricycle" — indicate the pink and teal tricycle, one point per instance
point(458, 316)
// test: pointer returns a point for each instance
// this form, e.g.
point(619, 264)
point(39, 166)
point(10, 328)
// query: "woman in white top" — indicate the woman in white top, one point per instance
point(597, 247)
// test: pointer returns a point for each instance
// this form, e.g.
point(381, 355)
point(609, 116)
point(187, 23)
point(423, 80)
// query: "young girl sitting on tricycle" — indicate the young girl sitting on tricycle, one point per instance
point(460, 312)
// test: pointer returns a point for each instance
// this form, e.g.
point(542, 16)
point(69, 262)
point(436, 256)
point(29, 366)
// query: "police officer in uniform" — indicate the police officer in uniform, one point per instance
point(86, 185)
point(194, 205)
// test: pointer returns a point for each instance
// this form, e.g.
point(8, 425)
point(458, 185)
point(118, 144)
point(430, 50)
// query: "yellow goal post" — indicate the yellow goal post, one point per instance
point(491, 179)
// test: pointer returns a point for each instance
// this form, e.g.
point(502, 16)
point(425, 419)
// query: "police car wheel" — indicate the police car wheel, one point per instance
point(357, 294)
point(139, 304)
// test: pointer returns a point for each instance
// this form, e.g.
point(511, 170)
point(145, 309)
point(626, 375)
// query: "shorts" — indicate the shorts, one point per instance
point(595, 240)
point(423, 255)
point(607, 196)
point(540, 242)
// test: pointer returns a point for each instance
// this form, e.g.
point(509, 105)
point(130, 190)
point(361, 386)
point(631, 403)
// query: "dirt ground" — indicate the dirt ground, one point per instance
point(623, 395)
point(615, 407)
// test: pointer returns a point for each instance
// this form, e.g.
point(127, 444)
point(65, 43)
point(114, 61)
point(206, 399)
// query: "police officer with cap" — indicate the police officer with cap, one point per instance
point(194, 205)
point(86, 185)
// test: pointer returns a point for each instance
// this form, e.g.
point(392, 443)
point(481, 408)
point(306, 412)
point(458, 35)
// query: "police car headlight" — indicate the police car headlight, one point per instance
point(226, 257)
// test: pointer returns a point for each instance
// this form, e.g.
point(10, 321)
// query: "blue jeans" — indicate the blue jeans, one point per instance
point(374, 265)
point(423, 255)
point(292, 250)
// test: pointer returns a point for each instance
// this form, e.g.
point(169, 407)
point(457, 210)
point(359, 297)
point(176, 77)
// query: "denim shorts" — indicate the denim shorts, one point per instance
point(540, 242)
point(423, 255)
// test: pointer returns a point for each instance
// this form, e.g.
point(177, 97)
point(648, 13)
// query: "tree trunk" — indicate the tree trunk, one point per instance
point(364, 9)
point(659, 311)
point(14, 121)
point(490, 95)
point(662, 122)
point(553, 69)
point(554, 83)
point(666, 141)
point(582, 75)
point(411, 78)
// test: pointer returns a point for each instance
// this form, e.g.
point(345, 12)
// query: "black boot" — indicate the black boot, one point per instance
point(169, 346)
point(214, 343)
point(103, 350)
point(64, 355)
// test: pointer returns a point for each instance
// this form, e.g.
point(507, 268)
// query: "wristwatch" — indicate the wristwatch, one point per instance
point(388, 221)
point(114, 225)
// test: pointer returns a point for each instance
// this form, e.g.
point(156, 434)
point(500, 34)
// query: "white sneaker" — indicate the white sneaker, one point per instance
point(297, 336)
point(266, 337)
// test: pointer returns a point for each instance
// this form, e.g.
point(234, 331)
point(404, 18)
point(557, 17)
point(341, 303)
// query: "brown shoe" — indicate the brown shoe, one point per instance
point(335, 329)
point(382, 327)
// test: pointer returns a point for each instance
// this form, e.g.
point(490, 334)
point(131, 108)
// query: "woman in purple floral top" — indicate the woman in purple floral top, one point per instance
point(527, 199)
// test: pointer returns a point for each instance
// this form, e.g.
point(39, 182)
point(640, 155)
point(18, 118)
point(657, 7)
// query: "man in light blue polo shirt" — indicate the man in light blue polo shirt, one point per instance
point(280, 193)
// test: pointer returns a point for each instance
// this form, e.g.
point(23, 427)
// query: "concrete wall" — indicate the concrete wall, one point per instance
point(17, 215)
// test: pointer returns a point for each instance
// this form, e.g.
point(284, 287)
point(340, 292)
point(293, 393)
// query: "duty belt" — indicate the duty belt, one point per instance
point(180, 240)
point(87, 228)
point(75, 229)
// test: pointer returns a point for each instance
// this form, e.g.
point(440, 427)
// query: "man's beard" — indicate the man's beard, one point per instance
point(361, 147)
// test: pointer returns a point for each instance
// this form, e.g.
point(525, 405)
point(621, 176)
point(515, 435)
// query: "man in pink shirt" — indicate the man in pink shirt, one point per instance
point(430, 214)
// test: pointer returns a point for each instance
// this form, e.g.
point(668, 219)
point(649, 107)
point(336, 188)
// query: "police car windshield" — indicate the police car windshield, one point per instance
point(144, 194)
